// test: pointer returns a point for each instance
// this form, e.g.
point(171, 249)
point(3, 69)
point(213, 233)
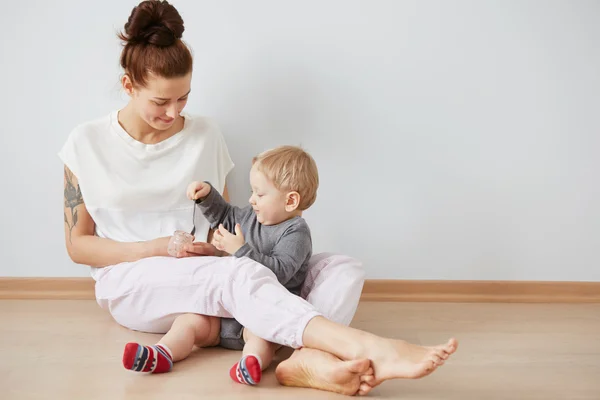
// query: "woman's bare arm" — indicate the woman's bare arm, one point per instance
point(86, 248)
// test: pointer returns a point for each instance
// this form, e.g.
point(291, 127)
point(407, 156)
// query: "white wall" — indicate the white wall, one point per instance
point(455, 140)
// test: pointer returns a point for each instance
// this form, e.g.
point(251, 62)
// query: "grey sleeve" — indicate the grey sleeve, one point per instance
point(288, 255)
point(218, 211)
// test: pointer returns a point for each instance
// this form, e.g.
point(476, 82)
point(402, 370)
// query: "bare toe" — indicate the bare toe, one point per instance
point(440, 351)
point(364, 389)
point(359, 366)
point(441, 354)
point(448, 347)
point(452, 345)
point(368, 379)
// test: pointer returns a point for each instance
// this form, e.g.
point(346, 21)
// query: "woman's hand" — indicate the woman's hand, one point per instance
point(197, 249)
point(158, 247)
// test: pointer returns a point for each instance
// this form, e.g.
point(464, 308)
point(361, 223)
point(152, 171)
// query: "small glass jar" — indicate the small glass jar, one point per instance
point(178, 242)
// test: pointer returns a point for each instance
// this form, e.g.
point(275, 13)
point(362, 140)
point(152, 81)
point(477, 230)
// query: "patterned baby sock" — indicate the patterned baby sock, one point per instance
point(156, 359)
point(248, 370)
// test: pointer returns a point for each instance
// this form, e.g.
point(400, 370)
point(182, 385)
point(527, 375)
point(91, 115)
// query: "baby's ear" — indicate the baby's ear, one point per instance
point(292, 201)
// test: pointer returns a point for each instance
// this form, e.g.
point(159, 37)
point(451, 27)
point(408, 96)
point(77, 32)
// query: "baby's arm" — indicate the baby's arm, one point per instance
point(216, 210)
point(288, 255)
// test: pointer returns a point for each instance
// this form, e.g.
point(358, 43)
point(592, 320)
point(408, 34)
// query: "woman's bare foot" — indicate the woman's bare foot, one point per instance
point(317, 369)
point(393, 359)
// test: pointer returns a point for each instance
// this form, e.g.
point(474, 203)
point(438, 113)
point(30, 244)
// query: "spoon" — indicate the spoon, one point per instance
point(194, 217)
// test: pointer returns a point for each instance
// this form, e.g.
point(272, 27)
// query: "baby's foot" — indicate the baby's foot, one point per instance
point(155, 359)
point(247, 371)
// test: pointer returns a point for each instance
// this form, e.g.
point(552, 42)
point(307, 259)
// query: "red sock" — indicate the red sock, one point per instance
point(155, 359)
point(247, 371)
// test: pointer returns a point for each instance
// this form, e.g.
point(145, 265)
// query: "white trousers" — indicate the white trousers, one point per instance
point(149, 294)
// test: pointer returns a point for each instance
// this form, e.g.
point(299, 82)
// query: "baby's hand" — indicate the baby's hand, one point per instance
point(225, 241)
point(198, 190)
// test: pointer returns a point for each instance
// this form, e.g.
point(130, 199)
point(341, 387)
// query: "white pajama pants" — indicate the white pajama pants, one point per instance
point(149, 294)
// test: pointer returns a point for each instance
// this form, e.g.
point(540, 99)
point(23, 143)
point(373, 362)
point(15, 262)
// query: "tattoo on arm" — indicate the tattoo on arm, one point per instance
point(73, 198)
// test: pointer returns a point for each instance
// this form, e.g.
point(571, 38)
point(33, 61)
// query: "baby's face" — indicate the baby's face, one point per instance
point(266, 200)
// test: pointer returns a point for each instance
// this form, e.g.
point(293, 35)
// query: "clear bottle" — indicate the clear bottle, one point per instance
point(178, 241)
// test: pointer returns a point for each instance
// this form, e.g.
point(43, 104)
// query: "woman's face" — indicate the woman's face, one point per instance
point(161, 100)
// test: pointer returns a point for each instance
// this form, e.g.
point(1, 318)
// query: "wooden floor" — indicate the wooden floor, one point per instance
point(72, 350)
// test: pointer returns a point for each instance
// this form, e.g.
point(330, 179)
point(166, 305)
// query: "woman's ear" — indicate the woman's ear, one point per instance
point(127, 84)
point(292, 201)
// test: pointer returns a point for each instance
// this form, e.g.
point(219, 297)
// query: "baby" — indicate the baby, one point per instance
point(271, 231)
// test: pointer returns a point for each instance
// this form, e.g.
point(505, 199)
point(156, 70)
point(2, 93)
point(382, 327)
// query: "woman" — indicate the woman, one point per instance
point(125, 180)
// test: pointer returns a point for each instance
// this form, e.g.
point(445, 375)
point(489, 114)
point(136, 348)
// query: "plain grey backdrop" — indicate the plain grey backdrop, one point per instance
point(455, 139)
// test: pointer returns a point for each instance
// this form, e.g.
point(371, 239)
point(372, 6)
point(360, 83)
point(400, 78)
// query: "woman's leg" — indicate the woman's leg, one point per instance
point(147, 296)
point(390, 359)
point(250, 292)
point(316, 369)
point(267, 309)
point(333, 286)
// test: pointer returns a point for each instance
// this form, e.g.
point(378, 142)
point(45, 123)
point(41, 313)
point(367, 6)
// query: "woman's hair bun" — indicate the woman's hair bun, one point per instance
point(153, 22)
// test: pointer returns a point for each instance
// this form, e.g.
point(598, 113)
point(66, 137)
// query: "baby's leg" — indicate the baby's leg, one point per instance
point(187, 330)
point(259, 348)
point(257, 356)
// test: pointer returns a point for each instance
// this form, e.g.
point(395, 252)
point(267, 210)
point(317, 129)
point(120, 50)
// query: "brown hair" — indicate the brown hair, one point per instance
point(290, 168)
point(153, 43)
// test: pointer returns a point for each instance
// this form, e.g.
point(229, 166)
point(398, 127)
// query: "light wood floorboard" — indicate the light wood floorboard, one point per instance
point(72, 350)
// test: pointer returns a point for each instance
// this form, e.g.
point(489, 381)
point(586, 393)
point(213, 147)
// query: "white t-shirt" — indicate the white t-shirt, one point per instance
point(135, 191)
